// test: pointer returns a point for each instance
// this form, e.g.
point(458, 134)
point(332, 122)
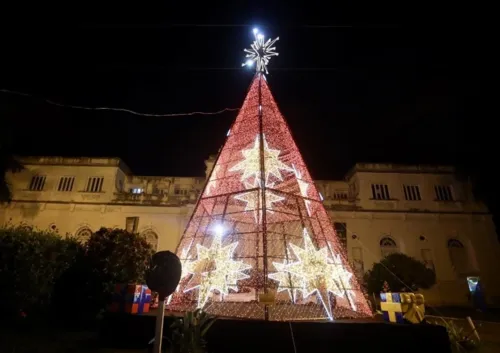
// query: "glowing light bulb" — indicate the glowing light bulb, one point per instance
point(255, 30)
point(249, 63)
point(219, 230)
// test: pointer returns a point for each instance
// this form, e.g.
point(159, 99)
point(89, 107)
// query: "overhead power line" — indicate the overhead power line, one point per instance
point(233, 25)
point(48, 101)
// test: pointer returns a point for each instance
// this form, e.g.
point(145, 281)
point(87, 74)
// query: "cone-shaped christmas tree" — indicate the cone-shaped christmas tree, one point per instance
point(260, 243)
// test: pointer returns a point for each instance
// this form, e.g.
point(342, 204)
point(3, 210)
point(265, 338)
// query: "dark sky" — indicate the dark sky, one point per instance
point(382, 85)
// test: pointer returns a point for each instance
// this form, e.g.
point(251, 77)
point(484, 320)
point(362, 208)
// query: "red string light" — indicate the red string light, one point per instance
point(284, 245)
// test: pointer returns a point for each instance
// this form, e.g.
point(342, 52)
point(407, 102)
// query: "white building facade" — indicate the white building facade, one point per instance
point(422, 211)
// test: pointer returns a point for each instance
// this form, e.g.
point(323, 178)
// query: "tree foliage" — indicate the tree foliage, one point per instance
point(399, 271)
point(188, 333)
point(112, 256)
point(31, 262)
point(8, 163)
point(42, 272)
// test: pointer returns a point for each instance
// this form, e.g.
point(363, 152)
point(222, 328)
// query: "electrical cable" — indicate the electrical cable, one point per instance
point(48, 101)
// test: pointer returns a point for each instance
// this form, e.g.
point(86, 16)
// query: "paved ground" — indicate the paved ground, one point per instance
point(489, 332)
point(487, 324)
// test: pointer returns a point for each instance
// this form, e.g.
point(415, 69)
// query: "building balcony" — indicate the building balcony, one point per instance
point(153, 199)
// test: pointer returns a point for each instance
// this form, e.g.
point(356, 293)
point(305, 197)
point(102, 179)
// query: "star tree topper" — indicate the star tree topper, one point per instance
point(317, 273)
point(260, 52)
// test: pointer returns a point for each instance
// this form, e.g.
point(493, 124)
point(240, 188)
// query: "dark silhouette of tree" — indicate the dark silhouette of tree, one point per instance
point(8, 163)
point(399, 271)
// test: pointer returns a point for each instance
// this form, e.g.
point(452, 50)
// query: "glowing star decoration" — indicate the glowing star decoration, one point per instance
point(215, 269)
point(260, 52)
point(344, 278)
point(254, 198)
point(187, 268)
point(212, 182)
point(187, 264)
point(319, 274)
point(250, 166)
point(303, 186)
point(286, 281)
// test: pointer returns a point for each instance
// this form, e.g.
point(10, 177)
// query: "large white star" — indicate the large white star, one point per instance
point(215, 269)
point(319, 274)
point(303, 187)
point(212, 182)
point(250, 166)
point(286, 281)
point(253, 200)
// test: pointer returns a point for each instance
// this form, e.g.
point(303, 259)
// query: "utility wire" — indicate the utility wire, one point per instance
point(234, 25)
point(48, 101)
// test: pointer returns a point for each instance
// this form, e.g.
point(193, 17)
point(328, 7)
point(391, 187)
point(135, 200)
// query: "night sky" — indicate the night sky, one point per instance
point(377, 85)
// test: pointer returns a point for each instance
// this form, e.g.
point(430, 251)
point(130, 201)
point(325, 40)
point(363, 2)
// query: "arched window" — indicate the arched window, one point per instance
point(151, 238)
point(455, 243)
point(388, 246)
point(458, 256)
point(83, 234)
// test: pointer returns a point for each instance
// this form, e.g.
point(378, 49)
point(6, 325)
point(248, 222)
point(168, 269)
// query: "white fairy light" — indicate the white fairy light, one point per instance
point(253, 199)
point(318, 273)
point(212, 182)
point(215, 269)
point(250, 166)
point(303, 186)
point(260, 51)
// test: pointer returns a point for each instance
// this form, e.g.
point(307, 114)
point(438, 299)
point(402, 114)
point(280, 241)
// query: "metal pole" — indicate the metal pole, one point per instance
point(159, 326)
point(263, 193)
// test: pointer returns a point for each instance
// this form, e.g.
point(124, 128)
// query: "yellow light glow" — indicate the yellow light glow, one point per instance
point(317, 273)
point(252, 199)
point(215, 269)
point(212, 182)
point(250, 166)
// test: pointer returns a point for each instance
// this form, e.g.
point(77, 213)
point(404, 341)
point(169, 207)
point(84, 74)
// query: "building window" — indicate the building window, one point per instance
point(357, 262)
point(458, 256)
point(131, 224)
point(66, 184)
point(427, 258)
point(136, 191)
point(388, 246)
point(340, 195)
point(37, 183)
point(380, 192)
point(83, 234)
point(443, 193)
point(341, 231)
point(412, 192)
point(179, 191)
point(151, 239)
point(94, 184)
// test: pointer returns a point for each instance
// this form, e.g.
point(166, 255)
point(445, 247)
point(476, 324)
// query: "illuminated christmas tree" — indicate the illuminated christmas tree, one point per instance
point(260, 243)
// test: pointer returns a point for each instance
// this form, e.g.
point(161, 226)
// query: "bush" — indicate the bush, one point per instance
point(405, 269)
point(112, 256)
point(31, 262)
point(42, 273)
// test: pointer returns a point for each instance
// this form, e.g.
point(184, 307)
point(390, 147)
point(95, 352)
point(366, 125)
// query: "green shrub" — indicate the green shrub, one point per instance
point(42, 273)
point(399, 271)
point(112, 256)
point(31, 262)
